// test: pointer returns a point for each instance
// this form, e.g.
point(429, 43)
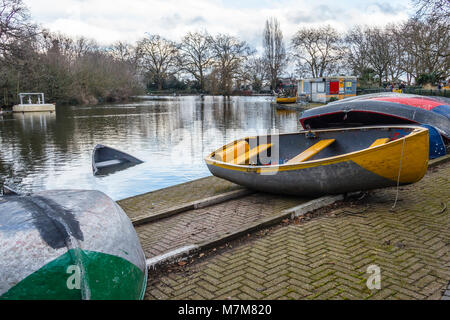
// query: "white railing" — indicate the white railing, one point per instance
point(40, 98)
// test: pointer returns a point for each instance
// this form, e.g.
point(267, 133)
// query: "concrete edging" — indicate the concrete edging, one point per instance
point(285, 214)
point(155, 261)
point(202, 203)
point(438, 161)
point(165, 188)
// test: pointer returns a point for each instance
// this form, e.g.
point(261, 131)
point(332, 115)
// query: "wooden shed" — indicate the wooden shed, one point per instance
point(324, 89)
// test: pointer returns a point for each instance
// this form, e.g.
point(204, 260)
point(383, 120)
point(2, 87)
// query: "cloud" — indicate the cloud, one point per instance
point(387, 8)
point(319, 13)
point(111, 20)
point(198, 20)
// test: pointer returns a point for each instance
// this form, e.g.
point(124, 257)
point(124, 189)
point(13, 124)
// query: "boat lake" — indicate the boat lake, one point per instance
point(172, 135)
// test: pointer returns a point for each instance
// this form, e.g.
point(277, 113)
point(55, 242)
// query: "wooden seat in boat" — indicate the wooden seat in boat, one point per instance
point(108, 163)
point(231, 153)
point(379, 142)
point(245, 158)
point(311, 151)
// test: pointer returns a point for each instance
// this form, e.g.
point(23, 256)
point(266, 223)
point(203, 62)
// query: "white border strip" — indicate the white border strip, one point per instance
point(171, 255)
point(313, 205)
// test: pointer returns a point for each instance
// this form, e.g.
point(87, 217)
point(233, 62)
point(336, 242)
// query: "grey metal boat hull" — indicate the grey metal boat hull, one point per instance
point(331, 179)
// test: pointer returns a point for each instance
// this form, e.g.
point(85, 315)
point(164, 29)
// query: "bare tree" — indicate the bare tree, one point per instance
point(196, 55)
point(378, 52)
point(255, 72)
point(68, 70)
point(158, 57)
point(433, 9)
point(84, 45)
point(319, 48)
point(229, 54)
point(14, 23)
point(60, 44)
point(122, 51)
point(426, 48)
point(357, 51)
point(396, 53)
point(125, 53)
point(274, 55)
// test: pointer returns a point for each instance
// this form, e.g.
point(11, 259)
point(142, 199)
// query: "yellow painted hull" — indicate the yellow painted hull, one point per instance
point(286, 100)
point(404, 159)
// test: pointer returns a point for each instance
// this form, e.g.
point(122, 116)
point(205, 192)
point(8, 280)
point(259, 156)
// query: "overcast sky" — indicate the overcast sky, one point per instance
point(111, 20)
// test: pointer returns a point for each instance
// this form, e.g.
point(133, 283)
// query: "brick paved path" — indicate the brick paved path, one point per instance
point(327, 257)
point(158, 200)
point(195, 226)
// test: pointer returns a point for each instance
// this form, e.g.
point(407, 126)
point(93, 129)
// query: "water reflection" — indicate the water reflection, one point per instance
point(171, 134)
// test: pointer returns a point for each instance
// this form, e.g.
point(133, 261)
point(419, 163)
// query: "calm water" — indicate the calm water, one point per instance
point(172, 135)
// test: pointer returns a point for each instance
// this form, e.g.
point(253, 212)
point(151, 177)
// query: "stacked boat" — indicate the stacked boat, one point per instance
point(387, 109)
point(361, 143)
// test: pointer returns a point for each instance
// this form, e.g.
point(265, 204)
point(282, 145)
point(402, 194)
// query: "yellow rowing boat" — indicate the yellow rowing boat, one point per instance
point(325, 161)
point(286, 100)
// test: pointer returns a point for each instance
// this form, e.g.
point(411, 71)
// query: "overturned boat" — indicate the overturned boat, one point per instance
point(107, 160)
point(333, 161)
point(380, 109)
point(386, 109)
point(68, 244)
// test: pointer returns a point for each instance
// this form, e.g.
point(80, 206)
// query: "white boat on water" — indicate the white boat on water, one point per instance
point(35, 103)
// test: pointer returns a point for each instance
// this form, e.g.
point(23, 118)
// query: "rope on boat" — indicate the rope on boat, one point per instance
point(398, 179)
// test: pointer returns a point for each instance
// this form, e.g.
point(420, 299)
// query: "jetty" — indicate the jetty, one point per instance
point(33, 102)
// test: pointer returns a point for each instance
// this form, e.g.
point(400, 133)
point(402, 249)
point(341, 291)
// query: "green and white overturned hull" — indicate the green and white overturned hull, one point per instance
point(103, 277)
point(68, 244)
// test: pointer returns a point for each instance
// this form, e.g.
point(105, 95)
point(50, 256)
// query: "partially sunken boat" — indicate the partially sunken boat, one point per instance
point(312, 163)
point(106, 160)
point(68, 244)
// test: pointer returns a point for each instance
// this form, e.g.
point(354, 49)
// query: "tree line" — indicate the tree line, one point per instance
point(416, 50)
point(80, 71)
